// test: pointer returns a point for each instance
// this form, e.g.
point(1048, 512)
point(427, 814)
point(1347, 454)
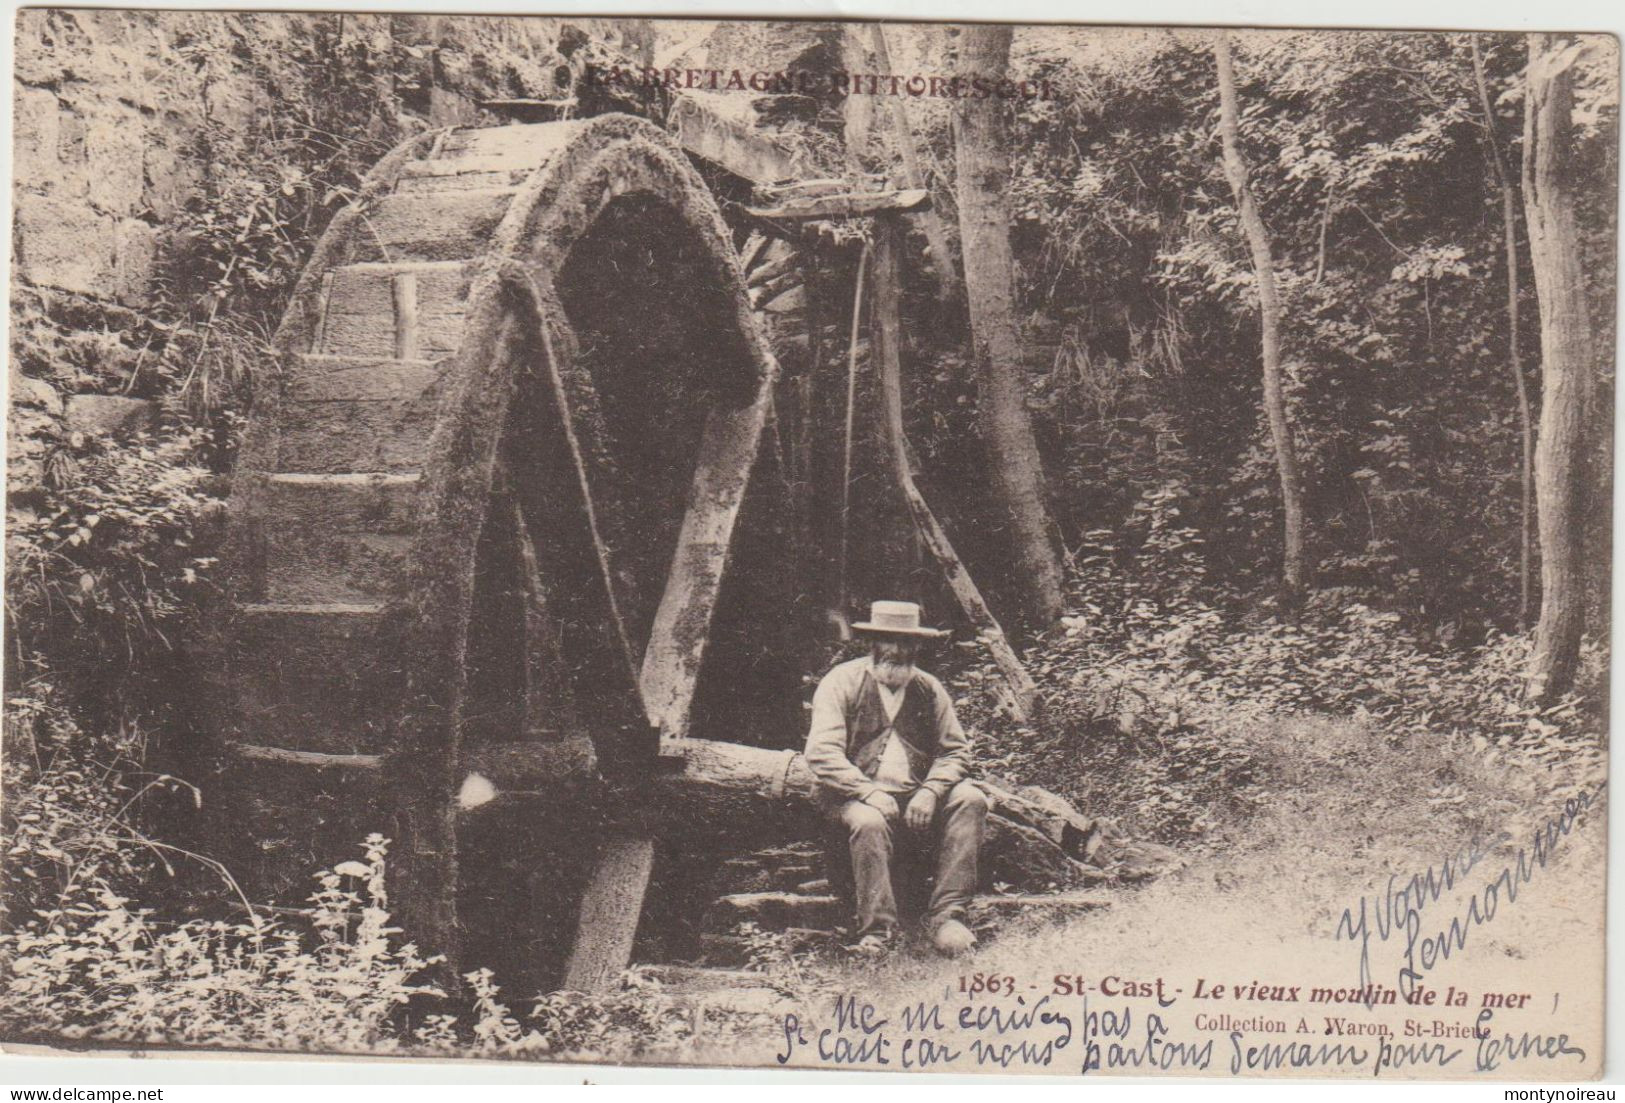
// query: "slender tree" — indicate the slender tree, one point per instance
point(1509, 234)
point(983, 170)
point(1294, 567)
point(1567, 357)
point(936, 232)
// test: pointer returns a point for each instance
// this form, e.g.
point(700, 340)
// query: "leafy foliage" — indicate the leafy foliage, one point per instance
point(1151, 679)
point(334, 977)
point(1369, 160)
point(108, 568)
point(92, 966)
point(240, 242)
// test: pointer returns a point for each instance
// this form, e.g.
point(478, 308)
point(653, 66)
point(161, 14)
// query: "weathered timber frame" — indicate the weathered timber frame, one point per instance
point(398, 657)
point(378, 711)
point(607, 158)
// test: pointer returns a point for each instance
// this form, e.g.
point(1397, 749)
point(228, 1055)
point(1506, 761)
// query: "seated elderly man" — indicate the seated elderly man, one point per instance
point(890, 759)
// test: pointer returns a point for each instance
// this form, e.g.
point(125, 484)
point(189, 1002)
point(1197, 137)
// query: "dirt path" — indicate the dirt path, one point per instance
point(1259, 913)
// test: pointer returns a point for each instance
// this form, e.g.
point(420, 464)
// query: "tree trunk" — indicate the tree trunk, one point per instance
point(936, 232)
point(887, 343)
point(1294, 567)
point(1509, 232)
point(1567, 363)
point(858, 113)
point(983, 167)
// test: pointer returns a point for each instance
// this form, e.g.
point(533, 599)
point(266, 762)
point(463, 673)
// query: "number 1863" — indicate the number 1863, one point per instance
point(993, 984)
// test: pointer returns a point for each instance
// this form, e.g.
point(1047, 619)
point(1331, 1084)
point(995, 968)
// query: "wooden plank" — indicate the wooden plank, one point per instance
point(730, 144)
point(761, 297)
point(755, 245)
point(404, 292)
point(284, 757)
point(610, 909)
point(850, 205)
point(681, 630)
point(773, 269)
point(888, 359)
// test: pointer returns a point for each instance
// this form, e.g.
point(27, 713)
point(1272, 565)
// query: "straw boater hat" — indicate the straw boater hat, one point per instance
point(897, 618)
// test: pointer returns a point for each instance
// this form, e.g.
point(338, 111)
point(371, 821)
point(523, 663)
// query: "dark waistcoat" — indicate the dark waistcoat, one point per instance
point(916, 726)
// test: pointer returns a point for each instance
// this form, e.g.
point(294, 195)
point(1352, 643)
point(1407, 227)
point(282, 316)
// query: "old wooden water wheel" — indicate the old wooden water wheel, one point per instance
point(522, 394)
point(480, 530)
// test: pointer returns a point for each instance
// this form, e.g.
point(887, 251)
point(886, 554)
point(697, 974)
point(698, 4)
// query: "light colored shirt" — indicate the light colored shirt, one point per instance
point(893, 773)
point(837, 696)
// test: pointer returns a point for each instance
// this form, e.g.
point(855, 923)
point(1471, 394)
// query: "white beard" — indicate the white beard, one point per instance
point(893, 674)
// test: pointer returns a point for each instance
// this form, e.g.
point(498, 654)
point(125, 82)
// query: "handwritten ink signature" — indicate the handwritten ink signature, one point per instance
point(1400, 909)
point(1492, 1050)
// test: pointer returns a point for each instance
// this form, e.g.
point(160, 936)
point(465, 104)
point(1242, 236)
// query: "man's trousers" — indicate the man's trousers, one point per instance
point(955, 834)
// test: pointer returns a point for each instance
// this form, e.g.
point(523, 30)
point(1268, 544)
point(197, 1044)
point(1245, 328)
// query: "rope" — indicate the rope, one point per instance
point(851, 407)
point(781, 779)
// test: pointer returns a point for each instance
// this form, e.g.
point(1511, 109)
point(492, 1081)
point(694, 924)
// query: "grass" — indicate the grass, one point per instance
point(1262, 899)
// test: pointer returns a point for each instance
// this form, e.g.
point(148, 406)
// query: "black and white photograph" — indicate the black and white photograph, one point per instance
point(808, 545)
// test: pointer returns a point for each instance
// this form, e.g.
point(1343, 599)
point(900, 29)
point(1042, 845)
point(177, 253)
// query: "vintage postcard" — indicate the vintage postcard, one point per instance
point(898, 547)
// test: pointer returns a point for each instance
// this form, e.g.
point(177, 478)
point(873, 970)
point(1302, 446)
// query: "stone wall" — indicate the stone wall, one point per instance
point(114, 113)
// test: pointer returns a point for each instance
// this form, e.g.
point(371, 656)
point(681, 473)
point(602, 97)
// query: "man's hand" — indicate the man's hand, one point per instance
point(884, 803)
point(921, 810)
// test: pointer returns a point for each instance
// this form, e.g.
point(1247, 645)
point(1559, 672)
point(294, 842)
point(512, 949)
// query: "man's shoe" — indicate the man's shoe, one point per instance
point(874, 944)
point(952, 938)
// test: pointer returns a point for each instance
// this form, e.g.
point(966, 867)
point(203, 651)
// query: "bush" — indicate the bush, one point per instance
point(108, 567)
point(95, 967)
point(66, 827)
point(84, 962)
point(1153, 680)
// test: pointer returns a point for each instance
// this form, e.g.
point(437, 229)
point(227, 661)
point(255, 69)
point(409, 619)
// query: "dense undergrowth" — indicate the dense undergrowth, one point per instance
point(1163, 712)
point(1151, 682)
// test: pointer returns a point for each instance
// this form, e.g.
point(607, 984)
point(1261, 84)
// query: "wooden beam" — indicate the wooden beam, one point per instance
point(712, 791)
point(850, 205)
point(773, 269)
point(762, 296)
point(285, 757)
point(755, 245)
point(610, 909)
point(531, 765)
point(682, 624)
point(833, 185)
point(888, 360)
point(732, 145)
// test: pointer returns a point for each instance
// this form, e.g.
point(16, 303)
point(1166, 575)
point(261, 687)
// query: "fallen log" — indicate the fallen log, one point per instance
point(715, 792)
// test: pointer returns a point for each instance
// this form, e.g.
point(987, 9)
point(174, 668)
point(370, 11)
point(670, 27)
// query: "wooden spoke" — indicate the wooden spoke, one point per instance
point(671, 662)
point(610, 910)
point(580, 425)
point(567, 568)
